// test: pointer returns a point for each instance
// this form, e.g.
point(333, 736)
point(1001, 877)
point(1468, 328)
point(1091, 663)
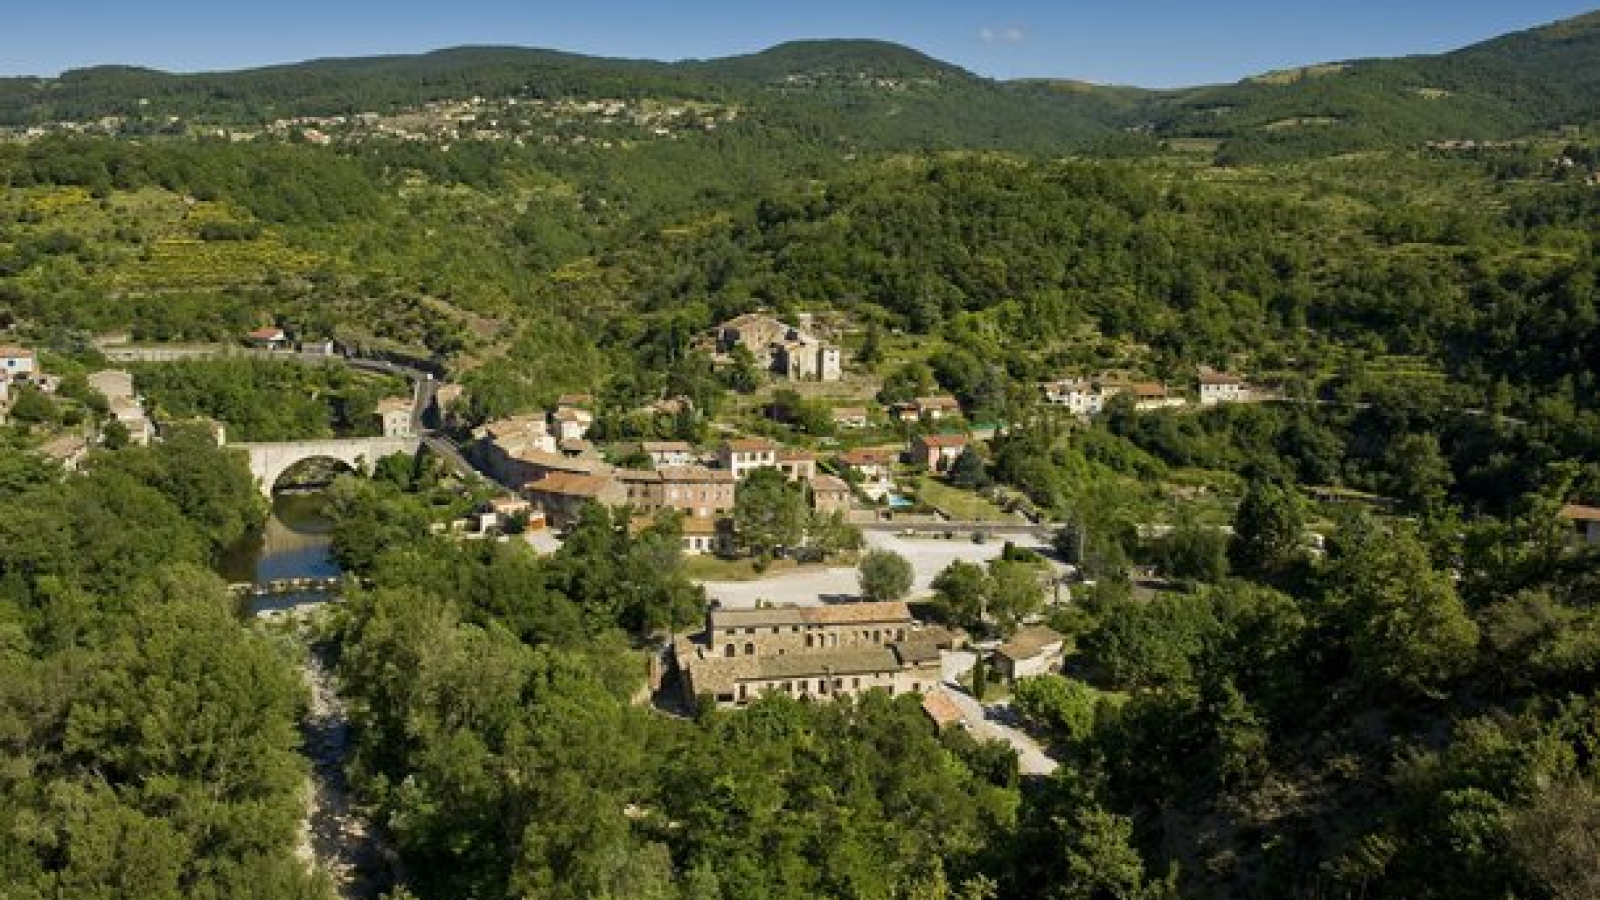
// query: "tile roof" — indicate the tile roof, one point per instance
point(1029, 642)
point(750, 445)
point(938, 707)
point(943, 440)
point(886, 611)
point(695, 475)
point(1577, 513)
point(829, 483)
point(569, 484)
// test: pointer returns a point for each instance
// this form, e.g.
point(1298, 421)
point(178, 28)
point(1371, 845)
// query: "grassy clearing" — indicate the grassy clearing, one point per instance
point(957, 503)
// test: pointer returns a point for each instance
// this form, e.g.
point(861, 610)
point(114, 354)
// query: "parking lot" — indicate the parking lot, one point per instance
point(928, 557)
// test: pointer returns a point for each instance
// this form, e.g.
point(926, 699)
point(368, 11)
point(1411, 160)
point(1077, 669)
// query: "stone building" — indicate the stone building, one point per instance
point(818, 651)
point(1221, 387)
point(394, 414)
point(829, 494)
point(780, 348)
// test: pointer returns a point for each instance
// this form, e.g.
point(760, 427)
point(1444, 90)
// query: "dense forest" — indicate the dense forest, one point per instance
point(1404, 707)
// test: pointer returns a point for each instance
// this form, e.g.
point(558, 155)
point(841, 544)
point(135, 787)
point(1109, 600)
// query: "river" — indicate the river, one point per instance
point(295, 542)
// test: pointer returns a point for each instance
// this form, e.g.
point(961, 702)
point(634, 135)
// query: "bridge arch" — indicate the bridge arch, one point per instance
point(269, 461)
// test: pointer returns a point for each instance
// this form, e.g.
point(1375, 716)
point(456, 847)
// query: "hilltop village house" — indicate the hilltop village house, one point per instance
point(781, 349)
point(937, 452)
point(1585, 522)
point(1221, 387)
point(808, 651)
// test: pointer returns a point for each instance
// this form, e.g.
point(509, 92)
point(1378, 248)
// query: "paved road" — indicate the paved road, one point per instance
point(992, 723)
point(809, 587)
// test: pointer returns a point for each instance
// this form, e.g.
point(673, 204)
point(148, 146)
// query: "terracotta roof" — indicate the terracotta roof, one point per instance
point(942, 401)
point(870, 456)
point(916, 651)
point(574, 400)
point(636, 475)
point(508, 504)
point(1209, 377)
point(1029, 642)
point(267, 334)
point(573, 414)
point(695, 474)
point(796, 456)
point(943, 440)
point(569, 484)
point(394, 404)
point(1577, 513)
point(938, 707)
point(667, 447)
point(829, 483)
point(1148, 389)
point(11, 351)
point(892, 611)
point(856, 613)
point(829, 662)
point(850, 412)
point(749, 445)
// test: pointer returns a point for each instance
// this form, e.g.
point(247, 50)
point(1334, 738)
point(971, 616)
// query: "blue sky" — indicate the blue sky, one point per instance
point(1161, 43)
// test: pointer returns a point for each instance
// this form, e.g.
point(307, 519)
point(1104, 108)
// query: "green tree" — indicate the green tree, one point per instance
point(1407, 626)
point(968, 471)
point(1015, 592)
point(961, 592)
point(884, 575)
point(743, 375)
point(1266, 529)
point(1063, 706)
point(769, 512)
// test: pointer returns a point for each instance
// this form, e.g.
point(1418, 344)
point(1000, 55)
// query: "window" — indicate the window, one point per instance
point(775, 629)
point(749, 649)
point(728, 651)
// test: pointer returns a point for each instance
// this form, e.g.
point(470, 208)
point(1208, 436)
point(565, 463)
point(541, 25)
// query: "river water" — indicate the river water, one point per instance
point(295, 542)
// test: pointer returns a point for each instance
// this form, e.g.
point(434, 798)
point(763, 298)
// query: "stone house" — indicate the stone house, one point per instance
point(1585, 522)
point(1035, 650)
point(1080, 396)
point(703, 537)
point(669, 453)
point(511, 450)
point(851, 417)
point(571, 422)
point(829, 494)
point(871, 463)
point(394, 414)
point(695, 491)
point(17, 363)
point(938, 408)
point(797, 465)
point(779, 348)
point(562, 495)
point(937, 452)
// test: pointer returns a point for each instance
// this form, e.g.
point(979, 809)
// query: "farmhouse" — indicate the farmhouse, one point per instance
point(937, 452)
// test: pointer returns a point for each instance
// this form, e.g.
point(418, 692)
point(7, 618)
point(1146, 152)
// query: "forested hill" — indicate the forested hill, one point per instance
point(1532, 81)
point(862, 93)
point(876, 95)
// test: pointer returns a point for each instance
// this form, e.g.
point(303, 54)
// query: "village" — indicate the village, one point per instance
point(796, 619)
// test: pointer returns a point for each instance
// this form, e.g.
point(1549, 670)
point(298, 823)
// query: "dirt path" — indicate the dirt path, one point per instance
point(336, 837)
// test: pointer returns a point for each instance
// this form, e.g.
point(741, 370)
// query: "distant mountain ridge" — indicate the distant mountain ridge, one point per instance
point(876, 94)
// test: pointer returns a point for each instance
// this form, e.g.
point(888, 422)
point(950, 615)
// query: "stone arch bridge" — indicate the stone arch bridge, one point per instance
point(268, 461)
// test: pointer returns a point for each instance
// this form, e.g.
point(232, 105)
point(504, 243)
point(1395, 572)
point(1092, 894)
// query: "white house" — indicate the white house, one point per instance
point(17, 363)
point(1221, 387)
point(744, 455)
point(395, 415)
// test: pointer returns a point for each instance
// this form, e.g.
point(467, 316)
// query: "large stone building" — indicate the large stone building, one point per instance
point(808, 651)
point(697, 492)
point(780, 348)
